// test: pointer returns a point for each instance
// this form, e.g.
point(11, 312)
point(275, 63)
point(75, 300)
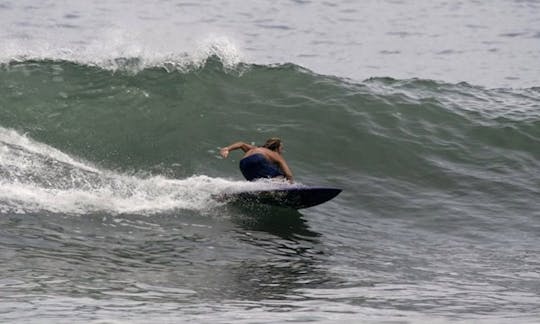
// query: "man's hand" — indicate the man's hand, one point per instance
point(224, 152)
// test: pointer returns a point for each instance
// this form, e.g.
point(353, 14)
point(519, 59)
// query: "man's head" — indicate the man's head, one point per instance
point(274, 144)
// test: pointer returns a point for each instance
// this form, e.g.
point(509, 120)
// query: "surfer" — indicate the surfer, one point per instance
point(261, 162)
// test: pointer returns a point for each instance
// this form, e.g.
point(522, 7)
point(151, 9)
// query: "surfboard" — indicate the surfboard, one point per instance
point(293, 197)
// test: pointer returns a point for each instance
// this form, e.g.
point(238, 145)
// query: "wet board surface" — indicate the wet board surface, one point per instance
point(295, 197)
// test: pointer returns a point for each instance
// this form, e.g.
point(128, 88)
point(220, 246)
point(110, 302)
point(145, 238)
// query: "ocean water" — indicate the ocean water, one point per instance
point(425, 113)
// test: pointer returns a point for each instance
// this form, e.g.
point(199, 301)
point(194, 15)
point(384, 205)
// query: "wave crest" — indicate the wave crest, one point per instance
point(118, 51)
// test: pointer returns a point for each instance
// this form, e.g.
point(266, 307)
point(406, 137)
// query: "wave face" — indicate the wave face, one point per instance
point(440, 180)
point(421, 135)
point(139, 120)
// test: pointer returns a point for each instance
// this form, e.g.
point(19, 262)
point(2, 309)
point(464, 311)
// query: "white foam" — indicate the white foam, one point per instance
point(38, 178)
point(122, 194)
point(13, 139)
point(118, 49)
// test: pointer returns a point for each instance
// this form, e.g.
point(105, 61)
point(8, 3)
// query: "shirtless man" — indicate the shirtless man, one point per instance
point(261, 162)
